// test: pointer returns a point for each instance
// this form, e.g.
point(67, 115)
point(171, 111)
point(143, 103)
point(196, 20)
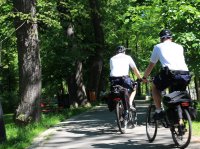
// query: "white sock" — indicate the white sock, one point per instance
point(158, 110)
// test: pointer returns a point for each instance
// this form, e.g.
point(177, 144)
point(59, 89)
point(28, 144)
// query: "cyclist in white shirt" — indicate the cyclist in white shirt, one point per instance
point(174, 68)
point(120, 65)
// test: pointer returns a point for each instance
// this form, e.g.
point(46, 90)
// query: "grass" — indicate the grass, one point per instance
point(196, 128)
point(22, 137)
point(196, 123)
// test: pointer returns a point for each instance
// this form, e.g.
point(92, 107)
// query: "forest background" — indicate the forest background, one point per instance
point(59, 50)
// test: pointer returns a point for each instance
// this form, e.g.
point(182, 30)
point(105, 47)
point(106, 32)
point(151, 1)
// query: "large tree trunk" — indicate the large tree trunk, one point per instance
point(76, 88)
point(96, 62)
point(96, 66)
point(2, 126)
point(197, 86)
point(29, 63)
point(81, 92)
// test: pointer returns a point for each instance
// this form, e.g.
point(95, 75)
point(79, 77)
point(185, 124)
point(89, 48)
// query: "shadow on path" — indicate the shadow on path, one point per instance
point(97, 129)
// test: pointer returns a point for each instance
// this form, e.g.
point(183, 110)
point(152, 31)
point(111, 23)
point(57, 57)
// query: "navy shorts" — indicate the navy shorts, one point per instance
point(124, 81)
point(162, 81)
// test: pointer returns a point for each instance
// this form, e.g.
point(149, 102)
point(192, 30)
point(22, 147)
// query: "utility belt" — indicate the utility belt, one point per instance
point(180, 72)
point(167, 71)
point(122, 77)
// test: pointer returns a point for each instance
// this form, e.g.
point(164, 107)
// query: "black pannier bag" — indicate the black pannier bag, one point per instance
point(110, 102)
point(177, 97)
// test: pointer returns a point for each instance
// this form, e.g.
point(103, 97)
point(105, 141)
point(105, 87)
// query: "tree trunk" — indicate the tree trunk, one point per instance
point(197, 86)
point(29, 63)
point(96, 62)
point(72, 88)
point(96, 66)
point(81, 92)
point(96, 21)
point(2, 126)
point(76, 87)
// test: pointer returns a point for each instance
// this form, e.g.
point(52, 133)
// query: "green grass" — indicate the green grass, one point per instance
point(196, 128)
point(22, 137)
point(196, 123)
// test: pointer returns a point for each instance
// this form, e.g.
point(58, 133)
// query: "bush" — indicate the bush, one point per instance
point(9, 101)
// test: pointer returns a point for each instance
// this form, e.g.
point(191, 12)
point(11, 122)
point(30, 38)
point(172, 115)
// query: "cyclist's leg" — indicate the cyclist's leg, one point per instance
point(156, 97)
point(127, 83)
point(126, 100)
point(131, 98)
point(160, 82)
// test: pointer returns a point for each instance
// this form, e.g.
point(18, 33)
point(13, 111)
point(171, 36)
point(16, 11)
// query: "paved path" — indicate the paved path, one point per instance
point(97, 129)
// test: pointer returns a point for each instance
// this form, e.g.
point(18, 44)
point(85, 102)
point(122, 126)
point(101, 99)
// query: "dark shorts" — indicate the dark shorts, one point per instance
point(176, 80)
point(124, 81)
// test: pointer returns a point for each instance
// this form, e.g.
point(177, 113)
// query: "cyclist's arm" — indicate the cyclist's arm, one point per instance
point(148, 69)
point(136, 72)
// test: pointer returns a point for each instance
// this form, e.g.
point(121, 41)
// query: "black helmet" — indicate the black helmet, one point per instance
point(165, 34)
point(120, 49)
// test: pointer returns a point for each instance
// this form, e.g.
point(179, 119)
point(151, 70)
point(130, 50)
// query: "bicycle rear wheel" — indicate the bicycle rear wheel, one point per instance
point(181, 134)
point(120, 117)
point(151, 123)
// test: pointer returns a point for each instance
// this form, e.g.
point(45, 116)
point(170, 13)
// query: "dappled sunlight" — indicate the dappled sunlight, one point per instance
point(98, 129)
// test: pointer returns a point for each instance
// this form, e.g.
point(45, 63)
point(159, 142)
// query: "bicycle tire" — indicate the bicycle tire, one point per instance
point(132, 117)
point(151, 123)
point(119, 114)
point(177, 137)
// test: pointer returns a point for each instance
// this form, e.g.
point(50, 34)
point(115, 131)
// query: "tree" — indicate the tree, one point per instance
point(28, 61)
point(96, 61)
point(69, 23)
point(2, 126)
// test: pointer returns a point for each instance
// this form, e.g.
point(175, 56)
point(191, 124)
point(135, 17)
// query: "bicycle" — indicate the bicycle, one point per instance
point(176, 107)
point(131, 118)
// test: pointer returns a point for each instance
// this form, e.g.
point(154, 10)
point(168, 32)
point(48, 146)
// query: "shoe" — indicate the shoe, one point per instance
point(132, 108)
point(158, 116)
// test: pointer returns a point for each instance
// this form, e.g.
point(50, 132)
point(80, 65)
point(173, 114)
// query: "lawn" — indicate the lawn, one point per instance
point(196, 123)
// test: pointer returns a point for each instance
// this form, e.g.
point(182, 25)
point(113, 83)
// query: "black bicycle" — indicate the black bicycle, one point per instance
point(124, 120)
point(176, 107)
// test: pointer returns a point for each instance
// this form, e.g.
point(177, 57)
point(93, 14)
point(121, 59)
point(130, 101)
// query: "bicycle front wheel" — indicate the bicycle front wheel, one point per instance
point(120, 116)
point(181, 134)
point(151, 123)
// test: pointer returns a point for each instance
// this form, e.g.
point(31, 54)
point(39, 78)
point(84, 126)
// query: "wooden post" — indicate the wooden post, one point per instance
point(2, 126)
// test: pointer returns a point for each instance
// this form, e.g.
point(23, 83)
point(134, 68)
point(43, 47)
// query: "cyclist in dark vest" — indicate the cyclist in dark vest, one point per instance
point(174, 68)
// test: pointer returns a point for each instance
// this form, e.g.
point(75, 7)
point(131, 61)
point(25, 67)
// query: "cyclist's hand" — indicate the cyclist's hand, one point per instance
point(144, 80)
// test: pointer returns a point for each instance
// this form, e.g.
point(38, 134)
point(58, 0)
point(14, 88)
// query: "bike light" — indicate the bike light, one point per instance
point(117, 99)
point(185, 104)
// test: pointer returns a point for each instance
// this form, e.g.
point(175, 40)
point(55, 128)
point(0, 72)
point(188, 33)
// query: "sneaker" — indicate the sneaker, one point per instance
point(132, 108)
point(158, 116)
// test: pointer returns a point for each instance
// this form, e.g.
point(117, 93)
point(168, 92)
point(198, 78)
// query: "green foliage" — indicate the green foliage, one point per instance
point(133, 23)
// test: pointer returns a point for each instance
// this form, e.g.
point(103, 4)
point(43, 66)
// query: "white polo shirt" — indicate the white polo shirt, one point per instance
point(120, 64)
point(170, 54)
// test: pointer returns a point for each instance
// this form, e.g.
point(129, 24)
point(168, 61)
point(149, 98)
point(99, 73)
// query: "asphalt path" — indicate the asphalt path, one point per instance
point(97, 129)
